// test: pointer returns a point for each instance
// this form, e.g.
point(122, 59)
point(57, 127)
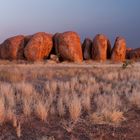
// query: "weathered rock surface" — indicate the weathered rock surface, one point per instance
point(67, 45)
point(119, 50)
point(134, 54)
point(12, 48)
point(87, 48)
point(38, 47)
point(101, 48)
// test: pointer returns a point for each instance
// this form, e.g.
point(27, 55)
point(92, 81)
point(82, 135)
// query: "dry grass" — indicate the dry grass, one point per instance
point(75, 107)
point(104, 94)
point(61, 107)
point(18, 130)
point(134, 98)
point(108, 109)
point(2, 110)
point(42, 109)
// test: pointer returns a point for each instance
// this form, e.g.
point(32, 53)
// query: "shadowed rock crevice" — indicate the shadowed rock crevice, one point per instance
point(56, 47)
point(87, 48)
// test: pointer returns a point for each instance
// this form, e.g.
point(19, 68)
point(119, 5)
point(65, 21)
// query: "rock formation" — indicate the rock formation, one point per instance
point(101, 48)
point(12, 48)
point(38, 47)
point(87, 48)
point(119, 50)
point(134, 54)
point(67, 45)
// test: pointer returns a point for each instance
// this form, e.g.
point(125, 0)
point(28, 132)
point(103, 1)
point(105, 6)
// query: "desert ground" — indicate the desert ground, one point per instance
point(69, 101)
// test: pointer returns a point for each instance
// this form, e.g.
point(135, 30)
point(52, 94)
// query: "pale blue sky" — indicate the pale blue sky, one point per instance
point(87, 17)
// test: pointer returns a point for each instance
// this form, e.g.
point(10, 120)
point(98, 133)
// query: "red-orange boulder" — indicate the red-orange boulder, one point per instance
point(12, 48)
point(119, 50)
point(101, 48)
point(38, 47)
point(67, 45)
point(87, 48)
point(134, 54)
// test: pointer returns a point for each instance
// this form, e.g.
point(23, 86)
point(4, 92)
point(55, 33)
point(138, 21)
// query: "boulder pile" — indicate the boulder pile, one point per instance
point(65, 46)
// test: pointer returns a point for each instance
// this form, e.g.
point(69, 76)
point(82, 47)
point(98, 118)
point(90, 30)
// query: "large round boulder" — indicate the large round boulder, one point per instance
point(12, 48)
point(87, 48)
point(119, 50)
point(101, 48)
point(38, 47)
point(68, 47)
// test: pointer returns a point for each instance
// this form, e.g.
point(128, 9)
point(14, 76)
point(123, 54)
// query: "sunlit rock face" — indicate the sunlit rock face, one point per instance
point(134, 54)
point(38, 47)
point(87, 48)
point(101, 48)
point(68, 46)
point(12, 48)
point(119, 50)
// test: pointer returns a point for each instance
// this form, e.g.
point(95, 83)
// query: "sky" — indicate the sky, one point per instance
point(86, 17)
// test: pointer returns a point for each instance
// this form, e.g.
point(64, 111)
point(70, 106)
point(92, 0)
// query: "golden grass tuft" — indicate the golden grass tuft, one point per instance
point(117, 117)
point(86, 101)
point(108, 109)
point(42, 110)
point(18, 130)
point(61, 107)
point(2, 110)
point(75, 107)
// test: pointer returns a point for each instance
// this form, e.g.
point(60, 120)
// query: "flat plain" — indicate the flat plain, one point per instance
point(67, 101)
